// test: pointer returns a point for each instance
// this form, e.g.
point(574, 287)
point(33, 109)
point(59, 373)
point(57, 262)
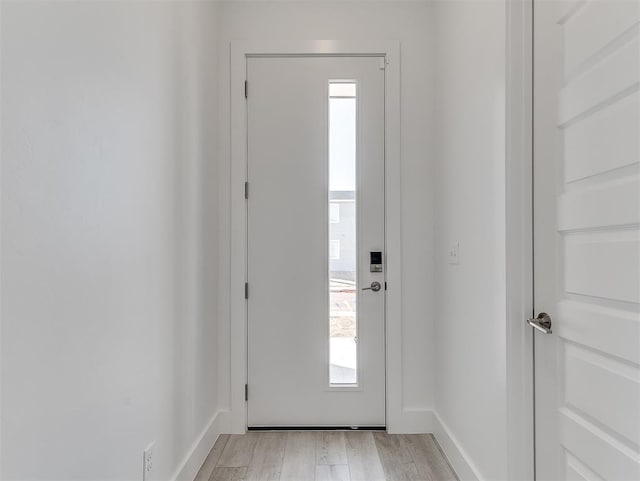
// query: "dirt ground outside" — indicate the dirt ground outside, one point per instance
point(343, 301)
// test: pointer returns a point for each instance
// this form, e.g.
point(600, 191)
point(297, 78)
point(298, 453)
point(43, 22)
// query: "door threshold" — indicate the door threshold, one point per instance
point(316, 428)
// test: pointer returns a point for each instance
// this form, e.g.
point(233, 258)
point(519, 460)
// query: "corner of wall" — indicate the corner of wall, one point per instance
point(454, 452)
point(412, 421)
point(194, 459)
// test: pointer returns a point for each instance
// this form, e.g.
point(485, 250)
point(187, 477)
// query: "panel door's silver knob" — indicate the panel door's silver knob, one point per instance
point(375, 287)
point(542, 323)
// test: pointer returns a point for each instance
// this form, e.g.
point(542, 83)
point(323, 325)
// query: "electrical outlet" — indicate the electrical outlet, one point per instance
point(453, 256)
point(147, 462)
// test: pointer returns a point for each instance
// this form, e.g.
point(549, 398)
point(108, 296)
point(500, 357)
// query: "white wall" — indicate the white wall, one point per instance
point(109, 241)
point(470, 336)
point(409, 22)
point(115, 215)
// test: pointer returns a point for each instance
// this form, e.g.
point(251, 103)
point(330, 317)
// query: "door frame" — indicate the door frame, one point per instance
point(240, 51)
point(520, 389)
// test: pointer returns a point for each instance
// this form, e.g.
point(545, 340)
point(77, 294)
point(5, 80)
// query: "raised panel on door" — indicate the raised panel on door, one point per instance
point(587, 238)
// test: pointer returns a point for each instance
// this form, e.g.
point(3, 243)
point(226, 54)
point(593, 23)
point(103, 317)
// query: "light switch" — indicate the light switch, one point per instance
point(453, 256)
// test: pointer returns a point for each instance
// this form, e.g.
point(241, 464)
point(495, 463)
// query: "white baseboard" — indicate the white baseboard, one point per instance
point(194, 459)
point(411, 421)
point(455, 453)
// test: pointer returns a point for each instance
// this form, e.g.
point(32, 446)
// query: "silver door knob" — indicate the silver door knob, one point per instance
point(542, 323)
point(375, 287)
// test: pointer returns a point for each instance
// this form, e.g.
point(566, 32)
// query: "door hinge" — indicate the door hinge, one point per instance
point(246, 290)
point(383, 63)
point(246, 89)
point(246, 190)
point(385, 286)
point(246, 392)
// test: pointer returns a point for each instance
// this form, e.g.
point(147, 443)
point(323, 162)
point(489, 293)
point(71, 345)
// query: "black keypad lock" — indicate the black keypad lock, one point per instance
point(375, 261)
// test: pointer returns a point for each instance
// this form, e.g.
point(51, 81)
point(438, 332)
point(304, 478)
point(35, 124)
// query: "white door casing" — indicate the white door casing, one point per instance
point(288, 212)
point(587, 239)
point(397, 419)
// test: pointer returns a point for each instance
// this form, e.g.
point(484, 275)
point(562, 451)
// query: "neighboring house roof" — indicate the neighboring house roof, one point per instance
point(342, 195)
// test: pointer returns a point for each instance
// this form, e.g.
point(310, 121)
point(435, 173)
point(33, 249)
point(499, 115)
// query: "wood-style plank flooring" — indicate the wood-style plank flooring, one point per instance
point(325, 456)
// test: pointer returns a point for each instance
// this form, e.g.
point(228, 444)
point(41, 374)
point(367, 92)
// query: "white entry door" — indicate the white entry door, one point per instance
point(587, 239)
point(316, 280)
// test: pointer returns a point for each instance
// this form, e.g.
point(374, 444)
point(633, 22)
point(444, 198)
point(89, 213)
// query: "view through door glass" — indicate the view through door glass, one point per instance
point(343, 298)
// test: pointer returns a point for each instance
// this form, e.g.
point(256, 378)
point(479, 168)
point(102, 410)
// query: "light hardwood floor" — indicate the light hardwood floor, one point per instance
point(325, 456)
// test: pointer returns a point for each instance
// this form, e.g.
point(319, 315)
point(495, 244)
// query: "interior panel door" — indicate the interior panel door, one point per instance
point(587, 240)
